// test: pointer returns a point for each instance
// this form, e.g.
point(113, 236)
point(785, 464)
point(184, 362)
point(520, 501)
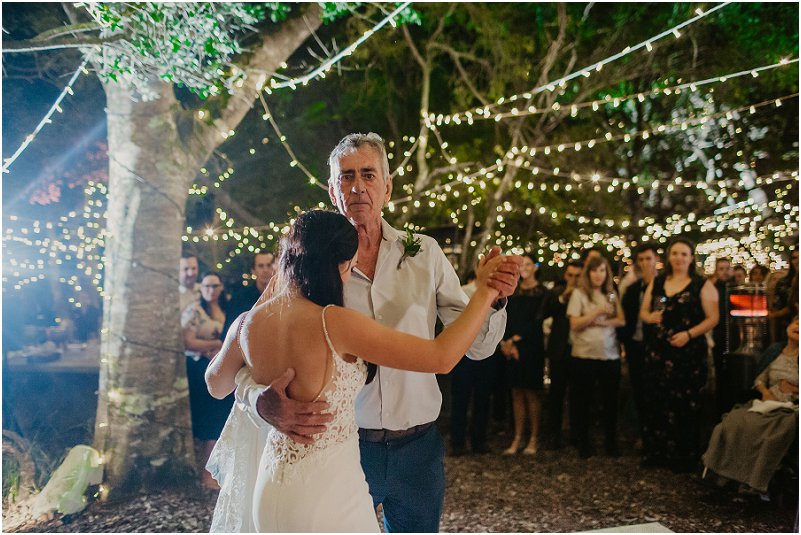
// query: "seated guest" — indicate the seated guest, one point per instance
point(749, 444)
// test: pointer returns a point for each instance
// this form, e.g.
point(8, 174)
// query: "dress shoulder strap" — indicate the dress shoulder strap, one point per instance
point(325, 332)
point(334, 356)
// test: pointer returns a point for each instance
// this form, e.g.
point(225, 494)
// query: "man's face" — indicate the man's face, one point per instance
point(360, 189)
point(646, 261)
point(187, 272)
point(263, 268)
point(571, 275)
point(723, 271)
point(739, 276)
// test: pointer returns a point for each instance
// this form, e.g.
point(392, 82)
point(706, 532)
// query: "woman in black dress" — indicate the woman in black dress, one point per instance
point(523, 347)
point(680, 306)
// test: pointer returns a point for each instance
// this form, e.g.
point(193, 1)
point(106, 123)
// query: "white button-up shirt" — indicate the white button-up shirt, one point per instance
point(409, 299)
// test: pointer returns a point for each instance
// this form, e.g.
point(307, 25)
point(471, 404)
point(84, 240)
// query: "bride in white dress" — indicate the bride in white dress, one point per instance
point(320, 487)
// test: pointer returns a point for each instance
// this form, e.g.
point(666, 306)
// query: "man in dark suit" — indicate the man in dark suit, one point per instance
point(558, 354)
point(632, 336)
point(245, 296)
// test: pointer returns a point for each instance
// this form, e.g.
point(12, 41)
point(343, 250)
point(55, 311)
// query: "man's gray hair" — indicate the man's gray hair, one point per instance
point(353, 142)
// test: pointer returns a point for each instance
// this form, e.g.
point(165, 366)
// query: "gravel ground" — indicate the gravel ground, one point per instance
point(554, 491)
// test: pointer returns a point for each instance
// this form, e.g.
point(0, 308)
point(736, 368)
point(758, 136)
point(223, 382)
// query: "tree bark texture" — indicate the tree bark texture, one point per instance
point(143, 428)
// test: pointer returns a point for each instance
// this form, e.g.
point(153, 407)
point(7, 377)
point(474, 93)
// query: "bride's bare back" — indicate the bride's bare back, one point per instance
point(288, 333)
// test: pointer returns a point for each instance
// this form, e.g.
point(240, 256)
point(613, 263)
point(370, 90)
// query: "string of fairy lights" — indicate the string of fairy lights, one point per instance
point(486, 112)
point(84, 242)
point(47, 119)
point(587, 71)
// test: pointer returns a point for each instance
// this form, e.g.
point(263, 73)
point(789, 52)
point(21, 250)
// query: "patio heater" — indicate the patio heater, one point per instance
point(746, 332)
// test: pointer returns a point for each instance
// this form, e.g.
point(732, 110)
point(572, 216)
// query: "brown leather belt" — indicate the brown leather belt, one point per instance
point(388, 435)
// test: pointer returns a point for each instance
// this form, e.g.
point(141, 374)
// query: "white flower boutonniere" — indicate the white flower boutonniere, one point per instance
point(411, 246)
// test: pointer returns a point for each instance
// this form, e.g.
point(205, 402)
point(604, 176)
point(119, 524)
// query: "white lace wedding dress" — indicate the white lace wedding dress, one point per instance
point(294, 487)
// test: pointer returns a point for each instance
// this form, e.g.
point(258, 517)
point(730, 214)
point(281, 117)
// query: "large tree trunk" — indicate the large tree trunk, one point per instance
point(142, 427)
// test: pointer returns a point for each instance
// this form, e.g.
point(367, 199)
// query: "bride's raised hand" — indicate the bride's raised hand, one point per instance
point(485, 272)
point(507, 274)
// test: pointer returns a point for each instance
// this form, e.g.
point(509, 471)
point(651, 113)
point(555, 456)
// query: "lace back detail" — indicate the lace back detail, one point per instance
point(347, 379)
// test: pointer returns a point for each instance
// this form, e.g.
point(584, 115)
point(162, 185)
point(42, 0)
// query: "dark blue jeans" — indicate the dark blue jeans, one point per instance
point(407, 476)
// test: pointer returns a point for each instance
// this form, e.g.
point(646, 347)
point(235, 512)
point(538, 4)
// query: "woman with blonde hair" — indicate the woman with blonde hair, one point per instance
point(594, 311)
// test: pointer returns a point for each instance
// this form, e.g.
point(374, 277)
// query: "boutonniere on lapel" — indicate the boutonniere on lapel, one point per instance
point(411, 246)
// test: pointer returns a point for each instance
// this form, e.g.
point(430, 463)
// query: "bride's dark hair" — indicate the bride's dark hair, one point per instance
point(312, 251)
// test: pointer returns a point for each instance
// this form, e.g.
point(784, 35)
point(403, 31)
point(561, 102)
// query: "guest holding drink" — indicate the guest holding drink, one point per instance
point(595, 312)
point(682, 306)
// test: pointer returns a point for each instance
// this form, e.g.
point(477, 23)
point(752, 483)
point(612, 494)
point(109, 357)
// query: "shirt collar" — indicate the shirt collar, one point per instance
point(389, 232)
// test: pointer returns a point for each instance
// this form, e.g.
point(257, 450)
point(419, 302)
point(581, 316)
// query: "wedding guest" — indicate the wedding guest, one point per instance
point(738, 274)
point(202, 324)
point(782, 306)
point(523, 346)
point(633, 334)
point(595, 312)
point(722, 334)
point(471, 379)
point(244, 296)
point(758, 274)
point(558, 354)
point(682, 306)
point(752, 440)
point(723, 270)
point(404, 282)
point(188, 288)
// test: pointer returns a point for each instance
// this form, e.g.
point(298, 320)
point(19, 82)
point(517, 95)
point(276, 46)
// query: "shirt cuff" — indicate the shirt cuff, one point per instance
point(500, 304)
point(247, 394)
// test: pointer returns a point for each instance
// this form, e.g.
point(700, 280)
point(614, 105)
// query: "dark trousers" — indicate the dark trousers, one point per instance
point(407, 476)
point(559, 371)
point(585, 374)
point(471, 379)
point(635, 358)
point(501, 393)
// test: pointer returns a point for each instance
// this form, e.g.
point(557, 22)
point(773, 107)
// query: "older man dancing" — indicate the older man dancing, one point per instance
point(402, 452)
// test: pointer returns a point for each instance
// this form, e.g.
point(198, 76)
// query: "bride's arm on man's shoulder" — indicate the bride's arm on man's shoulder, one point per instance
point(222, 371)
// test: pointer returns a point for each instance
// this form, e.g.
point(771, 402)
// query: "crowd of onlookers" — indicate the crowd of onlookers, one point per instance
point(557, 372)
point(663, 325)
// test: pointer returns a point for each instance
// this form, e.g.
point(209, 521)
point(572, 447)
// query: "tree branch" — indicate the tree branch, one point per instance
point(73, 29)
point(412, 47)
point(275, 49)
point(32, 45)
point(462, 72)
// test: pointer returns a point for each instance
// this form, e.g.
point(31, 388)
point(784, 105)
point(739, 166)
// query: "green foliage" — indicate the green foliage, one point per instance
point(193, 45)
